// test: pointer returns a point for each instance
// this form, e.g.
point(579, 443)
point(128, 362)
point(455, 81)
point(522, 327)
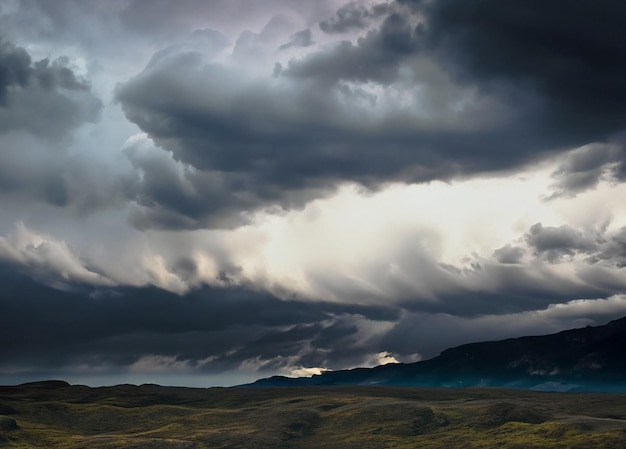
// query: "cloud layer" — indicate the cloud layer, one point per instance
point(418, 97)
point(225, 188)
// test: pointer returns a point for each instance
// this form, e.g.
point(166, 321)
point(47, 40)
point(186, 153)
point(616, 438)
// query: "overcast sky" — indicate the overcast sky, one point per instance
point(205, 192)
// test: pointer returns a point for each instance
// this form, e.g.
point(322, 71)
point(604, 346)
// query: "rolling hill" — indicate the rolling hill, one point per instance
point(56, 415)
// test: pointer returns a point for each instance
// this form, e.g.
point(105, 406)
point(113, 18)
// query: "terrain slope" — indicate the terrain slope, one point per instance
point(57, 415)
point(586, 359)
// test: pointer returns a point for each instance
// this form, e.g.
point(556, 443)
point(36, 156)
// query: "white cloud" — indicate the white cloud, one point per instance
point(48, 258)
point(404, 241)
point(383, 358)
point(384, 245)
point(306, 372)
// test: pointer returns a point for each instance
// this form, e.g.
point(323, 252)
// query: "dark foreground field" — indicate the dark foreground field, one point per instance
point(55, 415)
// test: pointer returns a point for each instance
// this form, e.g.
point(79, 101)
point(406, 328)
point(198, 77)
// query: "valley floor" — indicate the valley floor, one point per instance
point(56, 415)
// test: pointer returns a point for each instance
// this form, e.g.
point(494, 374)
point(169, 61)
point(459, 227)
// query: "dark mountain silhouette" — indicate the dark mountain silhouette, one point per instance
point(587, 359)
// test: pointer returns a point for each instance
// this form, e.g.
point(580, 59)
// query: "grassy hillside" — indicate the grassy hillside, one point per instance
point(55, 415)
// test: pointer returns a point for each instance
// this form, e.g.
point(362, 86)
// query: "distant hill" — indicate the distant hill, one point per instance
point(587, 359)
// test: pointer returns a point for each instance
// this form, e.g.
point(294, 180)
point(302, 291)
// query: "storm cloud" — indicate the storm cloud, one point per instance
point(114, 328)
point(450, 91)
point(44, 97)
point(556, 52)
point(42, 104)
point(353, 15)
point(584, 168)
point(225, 188)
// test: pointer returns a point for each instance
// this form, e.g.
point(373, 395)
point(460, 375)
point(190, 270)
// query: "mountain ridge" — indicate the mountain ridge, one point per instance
point(591, 358)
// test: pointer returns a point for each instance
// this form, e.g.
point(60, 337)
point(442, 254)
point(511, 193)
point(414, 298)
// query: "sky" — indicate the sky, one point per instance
point(207, 192)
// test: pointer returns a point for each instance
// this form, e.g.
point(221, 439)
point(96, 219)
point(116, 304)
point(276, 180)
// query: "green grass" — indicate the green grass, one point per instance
point(57, 416)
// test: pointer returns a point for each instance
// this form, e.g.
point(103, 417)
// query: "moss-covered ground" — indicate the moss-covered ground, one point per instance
point(55, 415)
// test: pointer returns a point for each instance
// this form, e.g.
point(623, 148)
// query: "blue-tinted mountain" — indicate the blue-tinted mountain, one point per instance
point(586, 359)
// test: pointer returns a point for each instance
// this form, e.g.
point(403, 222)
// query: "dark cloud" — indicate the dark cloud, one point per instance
point(572, 56)
point(563, 243)
point(375, 57)
point(212, 330)
point(291, 139)
point(321, 344)
point(429, 334)
point(509, 254)
point(488, 88)
point(174, 195)
point(584, 168)
point(613, 250)
point(501, 289)
point(44, 97)
point(353, 16)
point(116, 327)
point(42, 104)
point(559, 243)
point(301, 38)
point(15, 70)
